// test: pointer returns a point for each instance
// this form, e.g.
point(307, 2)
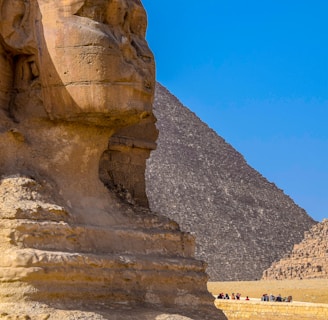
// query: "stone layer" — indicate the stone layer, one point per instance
point(148, 260)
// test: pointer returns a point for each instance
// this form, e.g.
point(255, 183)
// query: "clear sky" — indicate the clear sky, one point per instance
point(257, 73)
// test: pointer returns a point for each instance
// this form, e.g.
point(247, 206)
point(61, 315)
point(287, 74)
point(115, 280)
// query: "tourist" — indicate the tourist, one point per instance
point(279, 299)
point(265, 297)
point(220, 296)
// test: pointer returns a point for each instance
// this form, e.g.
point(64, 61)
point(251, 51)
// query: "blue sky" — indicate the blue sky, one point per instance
point(257, 73)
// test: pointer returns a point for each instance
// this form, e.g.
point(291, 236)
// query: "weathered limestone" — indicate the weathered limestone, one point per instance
point(123, 165)
point(80, 57)
point(74, 75)
point(308, 259)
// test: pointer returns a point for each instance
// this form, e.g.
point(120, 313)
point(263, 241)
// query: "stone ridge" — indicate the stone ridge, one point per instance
point(242, 222)
point(50, 258)
point(308, 260)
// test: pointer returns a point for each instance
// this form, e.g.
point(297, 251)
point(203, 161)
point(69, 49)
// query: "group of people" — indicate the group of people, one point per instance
point(226, 296)
point(265, 297)
point(278, 298)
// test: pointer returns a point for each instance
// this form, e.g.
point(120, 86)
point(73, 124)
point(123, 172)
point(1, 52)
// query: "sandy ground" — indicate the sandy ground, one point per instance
point(314, 290)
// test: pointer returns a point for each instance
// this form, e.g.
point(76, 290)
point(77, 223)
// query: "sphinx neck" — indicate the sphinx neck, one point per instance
point(67, 155)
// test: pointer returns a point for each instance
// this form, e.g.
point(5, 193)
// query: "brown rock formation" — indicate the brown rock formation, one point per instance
point(74, 75)
point(308, 259)
point(203, 183)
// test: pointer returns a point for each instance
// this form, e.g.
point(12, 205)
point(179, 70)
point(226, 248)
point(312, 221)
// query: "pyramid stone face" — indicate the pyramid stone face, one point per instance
point(307, 260)
point(241, 221)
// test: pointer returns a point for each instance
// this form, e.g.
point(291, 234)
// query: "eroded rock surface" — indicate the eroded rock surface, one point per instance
point(307, 260)
point(76, 92)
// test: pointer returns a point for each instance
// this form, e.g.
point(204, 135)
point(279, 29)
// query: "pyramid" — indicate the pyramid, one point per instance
point(199, 180)
point(308, 259)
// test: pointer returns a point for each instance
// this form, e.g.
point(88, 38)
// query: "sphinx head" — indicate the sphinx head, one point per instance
point(76, 60)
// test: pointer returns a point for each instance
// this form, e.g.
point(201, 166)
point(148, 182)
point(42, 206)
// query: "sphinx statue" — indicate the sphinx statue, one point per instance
point(76, 126)
point(75, 73)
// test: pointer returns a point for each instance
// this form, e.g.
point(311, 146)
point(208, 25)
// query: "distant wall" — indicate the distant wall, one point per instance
point(240, 310)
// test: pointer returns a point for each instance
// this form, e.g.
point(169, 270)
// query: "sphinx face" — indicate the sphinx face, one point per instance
point(100, 67)
point(92, 61)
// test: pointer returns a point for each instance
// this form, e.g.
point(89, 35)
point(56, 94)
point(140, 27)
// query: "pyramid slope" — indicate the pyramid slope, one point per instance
point(242, 222)
point(308, 260)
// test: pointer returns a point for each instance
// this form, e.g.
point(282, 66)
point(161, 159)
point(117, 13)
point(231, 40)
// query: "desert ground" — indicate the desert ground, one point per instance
point(307, 290)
